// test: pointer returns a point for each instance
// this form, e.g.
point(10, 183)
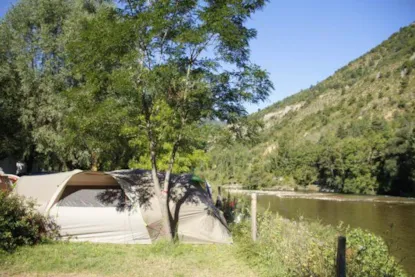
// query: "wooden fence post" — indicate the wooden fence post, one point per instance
point(253, 216)
point(341, 257)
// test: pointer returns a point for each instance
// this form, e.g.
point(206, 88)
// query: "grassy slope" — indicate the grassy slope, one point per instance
point(160, 259)
point(369, 86)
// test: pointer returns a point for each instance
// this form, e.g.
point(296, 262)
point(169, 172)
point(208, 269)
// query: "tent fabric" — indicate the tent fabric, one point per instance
point(100, 224)
point(138, 186)
point(199, 221)
point(42, 188)
point(121, 206)
point(191, 208)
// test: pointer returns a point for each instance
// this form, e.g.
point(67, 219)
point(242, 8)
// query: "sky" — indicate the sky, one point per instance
point(302, 42)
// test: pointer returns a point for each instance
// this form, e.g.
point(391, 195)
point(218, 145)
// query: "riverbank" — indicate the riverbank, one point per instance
point(329, 196)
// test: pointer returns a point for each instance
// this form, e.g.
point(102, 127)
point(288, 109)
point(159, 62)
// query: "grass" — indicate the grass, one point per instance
point(284, 248)
point(88, 259)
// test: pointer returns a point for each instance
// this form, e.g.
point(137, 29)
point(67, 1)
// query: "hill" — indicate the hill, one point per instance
point(353, 132)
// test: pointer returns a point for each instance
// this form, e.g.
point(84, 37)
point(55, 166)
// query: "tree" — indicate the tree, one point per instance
point(178, 64)
point(12, 133)
point(397, 173)
point(34, 77)
point(35, 61)
point(94, 45)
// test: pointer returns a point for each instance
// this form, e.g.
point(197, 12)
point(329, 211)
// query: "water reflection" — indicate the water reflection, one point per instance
point(376, 217)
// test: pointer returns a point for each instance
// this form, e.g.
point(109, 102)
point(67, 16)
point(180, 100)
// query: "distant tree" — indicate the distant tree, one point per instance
point(398, 169)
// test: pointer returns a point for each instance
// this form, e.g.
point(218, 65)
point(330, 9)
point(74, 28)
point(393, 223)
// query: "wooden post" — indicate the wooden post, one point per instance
point(253, 216)
point(341, 257)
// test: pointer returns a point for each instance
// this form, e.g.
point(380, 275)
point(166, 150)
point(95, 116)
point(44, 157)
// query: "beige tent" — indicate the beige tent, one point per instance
point(121, 207)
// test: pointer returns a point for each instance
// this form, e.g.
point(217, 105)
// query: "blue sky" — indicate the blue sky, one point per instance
point(303, 42)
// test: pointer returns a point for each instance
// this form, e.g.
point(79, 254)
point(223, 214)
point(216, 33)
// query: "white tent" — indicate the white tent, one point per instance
point(121, 207)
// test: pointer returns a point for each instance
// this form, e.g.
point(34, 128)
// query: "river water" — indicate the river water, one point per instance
point(393, 218)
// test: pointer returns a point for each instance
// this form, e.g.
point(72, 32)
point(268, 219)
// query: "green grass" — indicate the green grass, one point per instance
point(88, 259)
point(284, 248)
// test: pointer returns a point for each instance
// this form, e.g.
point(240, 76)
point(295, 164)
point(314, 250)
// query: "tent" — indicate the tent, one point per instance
point(121, 207)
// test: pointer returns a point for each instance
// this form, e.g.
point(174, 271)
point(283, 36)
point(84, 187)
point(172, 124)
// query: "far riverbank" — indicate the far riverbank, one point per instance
point(329, 196)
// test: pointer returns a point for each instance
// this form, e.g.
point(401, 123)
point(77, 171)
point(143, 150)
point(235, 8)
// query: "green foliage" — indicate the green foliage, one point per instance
point(34, 75)
point(21, 224)
point(302, 248)
point(368, 255)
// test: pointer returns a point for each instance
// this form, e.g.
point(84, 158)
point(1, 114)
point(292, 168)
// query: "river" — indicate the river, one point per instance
point(393, 218)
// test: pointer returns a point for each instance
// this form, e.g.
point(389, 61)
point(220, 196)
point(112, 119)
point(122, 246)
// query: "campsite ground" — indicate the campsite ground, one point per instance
point(87, 259)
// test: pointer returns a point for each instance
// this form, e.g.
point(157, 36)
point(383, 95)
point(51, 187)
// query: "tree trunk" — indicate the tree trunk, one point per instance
point(29, 161)
point(94, 161)
point(166, 186)
point(171, 164)
point(163, 199)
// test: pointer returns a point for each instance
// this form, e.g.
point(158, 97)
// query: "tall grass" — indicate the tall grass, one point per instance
point(302, 248)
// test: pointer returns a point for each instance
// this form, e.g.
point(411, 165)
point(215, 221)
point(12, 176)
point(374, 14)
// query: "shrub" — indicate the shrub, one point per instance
point(288, 248)
point(368, 255)
point(303, 248)
point(21, 224)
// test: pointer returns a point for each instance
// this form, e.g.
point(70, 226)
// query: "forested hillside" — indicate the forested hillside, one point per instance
point(353, 132)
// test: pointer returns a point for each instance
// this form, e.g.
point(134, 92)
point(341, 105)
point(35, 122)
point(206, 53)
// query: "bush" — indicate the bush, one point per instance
point(302, 248)
point(368, 255)
point(21, 224)
point(288, 248)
